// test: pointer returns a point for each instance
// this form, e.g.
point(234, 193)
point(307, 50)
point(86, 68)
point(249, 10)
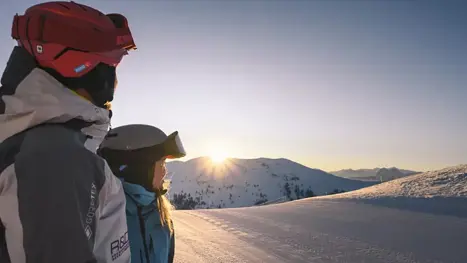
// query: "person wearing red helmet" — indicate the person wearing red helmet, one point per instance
point(59, 201)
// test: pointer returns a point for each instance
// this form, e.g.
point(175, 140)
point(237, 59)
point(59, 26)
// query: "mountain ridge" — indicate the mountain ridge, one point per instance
point(246, 182)
point(374, 174)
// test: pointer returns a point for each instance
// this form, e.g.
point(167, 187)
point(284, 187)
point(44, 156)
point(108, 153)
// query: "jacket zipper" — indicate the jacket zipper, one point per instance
point(143, 233)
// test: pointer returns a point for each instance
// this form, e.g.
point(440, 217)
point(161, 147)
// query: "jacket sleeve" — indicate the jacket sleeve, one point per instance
point(172, 246)
point(112, 244)
point(70, 208)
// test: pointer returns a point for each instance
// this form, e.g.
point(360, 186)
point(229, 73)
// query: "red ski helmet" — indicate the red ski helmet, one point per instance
point(72, 38)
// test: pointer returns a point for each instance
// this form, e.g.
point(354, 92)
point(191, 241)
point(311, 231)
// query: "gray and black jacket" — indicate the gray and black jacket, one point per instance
point(59, 201)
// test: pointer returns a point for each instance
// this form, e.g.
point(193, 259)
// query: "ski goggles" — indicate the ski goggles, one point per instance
point(83, 62)
point(173, 147)
point(170, 148)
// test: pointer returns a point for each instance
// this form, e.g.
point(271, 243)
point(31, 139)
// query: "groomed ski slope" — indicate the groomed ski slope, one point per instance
point(339, 228)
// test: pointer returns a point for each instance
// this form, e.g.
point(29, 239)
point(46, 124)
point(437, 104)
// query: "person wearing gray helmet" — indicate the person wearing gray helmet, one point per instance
point(136, 154)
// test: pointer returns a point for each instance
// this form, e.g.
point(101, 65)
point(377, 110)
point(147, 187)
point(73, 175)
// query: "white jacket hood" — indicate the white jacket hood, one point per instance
point(40, 98)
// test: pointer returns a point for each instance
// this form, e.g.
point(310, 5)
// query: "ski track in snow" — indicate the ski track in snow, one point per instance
point(200, 239)
point(318, 232)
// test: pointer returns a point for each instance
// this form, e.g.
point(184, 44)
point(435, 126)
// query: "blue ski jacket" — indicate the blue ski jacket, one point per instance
point(150, 242)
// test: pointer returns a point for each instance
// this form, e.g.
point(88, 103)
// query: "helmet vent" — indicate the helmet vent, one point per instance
point(64, 6)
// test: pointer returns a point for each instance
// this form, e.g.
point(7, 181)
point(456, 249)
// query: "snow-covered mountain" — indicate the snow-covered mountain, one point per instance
point(376, 174)
point(351, 173)
point(246, 182)
point(448, 182)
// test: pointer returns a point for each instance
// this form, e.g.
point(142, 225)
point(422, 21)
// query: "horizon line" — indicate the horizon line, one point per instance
point(283, 158)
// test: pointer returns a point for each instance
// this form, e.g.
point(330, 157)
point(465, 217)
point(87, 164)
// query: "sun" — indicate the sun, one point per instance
point(218, 157)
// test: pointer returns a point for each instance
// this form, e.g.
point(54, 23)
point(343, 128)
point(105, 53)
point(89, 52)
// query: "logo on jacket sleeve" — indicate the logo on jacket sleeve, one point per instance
point(91, 213)
point(119, 246)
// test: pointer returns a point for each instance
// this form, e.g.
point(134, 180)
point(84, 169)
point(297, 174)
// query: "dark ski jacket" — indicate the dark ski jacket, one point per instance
point(59, 201)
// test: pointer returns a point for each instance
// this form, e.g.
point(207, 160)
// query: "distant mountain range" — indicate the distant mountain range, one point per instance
point(376, 174)
point(200, 183)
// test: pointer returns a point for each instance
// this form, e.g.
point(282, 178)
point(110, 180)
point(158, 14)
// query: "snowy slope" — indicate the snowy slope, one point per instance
point(318, 231)
point(246, 182)
point(437, 192)
point(331, 229)
point(448, 182)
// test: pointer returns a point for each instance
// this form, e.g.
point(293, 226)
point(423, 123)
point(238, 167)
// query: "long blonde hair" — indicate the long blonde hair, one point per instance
point(165, 210)
point(163, 204)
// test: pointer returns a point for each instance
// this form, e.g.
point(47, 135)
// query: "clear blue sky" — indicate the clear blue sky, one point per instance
point(330, 84)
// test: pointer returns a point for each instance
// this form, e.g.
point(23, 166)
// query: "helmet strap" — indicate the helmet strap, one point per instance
point(137, 173)
point(99, 83)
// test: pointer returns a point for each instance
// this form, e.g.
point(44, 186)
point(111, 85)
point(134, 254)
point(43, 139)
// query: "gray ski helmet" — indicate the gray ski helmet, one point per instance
point(138, 143)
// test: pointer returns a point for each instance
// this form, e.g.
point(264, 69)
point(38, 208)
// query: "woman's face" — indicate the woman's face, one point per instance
point(159, 173)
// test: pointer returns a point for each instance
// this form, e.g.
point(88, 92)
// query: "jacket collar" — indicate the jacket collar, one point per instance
point(39, 99)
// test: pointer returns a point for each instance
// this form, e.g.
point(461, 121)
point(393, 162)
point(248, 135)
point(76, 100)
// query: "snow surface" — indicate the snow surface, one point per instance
point(436, 192)
point(244, 182)
point(338, 228)
point(448, 182)
point(318, 231)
